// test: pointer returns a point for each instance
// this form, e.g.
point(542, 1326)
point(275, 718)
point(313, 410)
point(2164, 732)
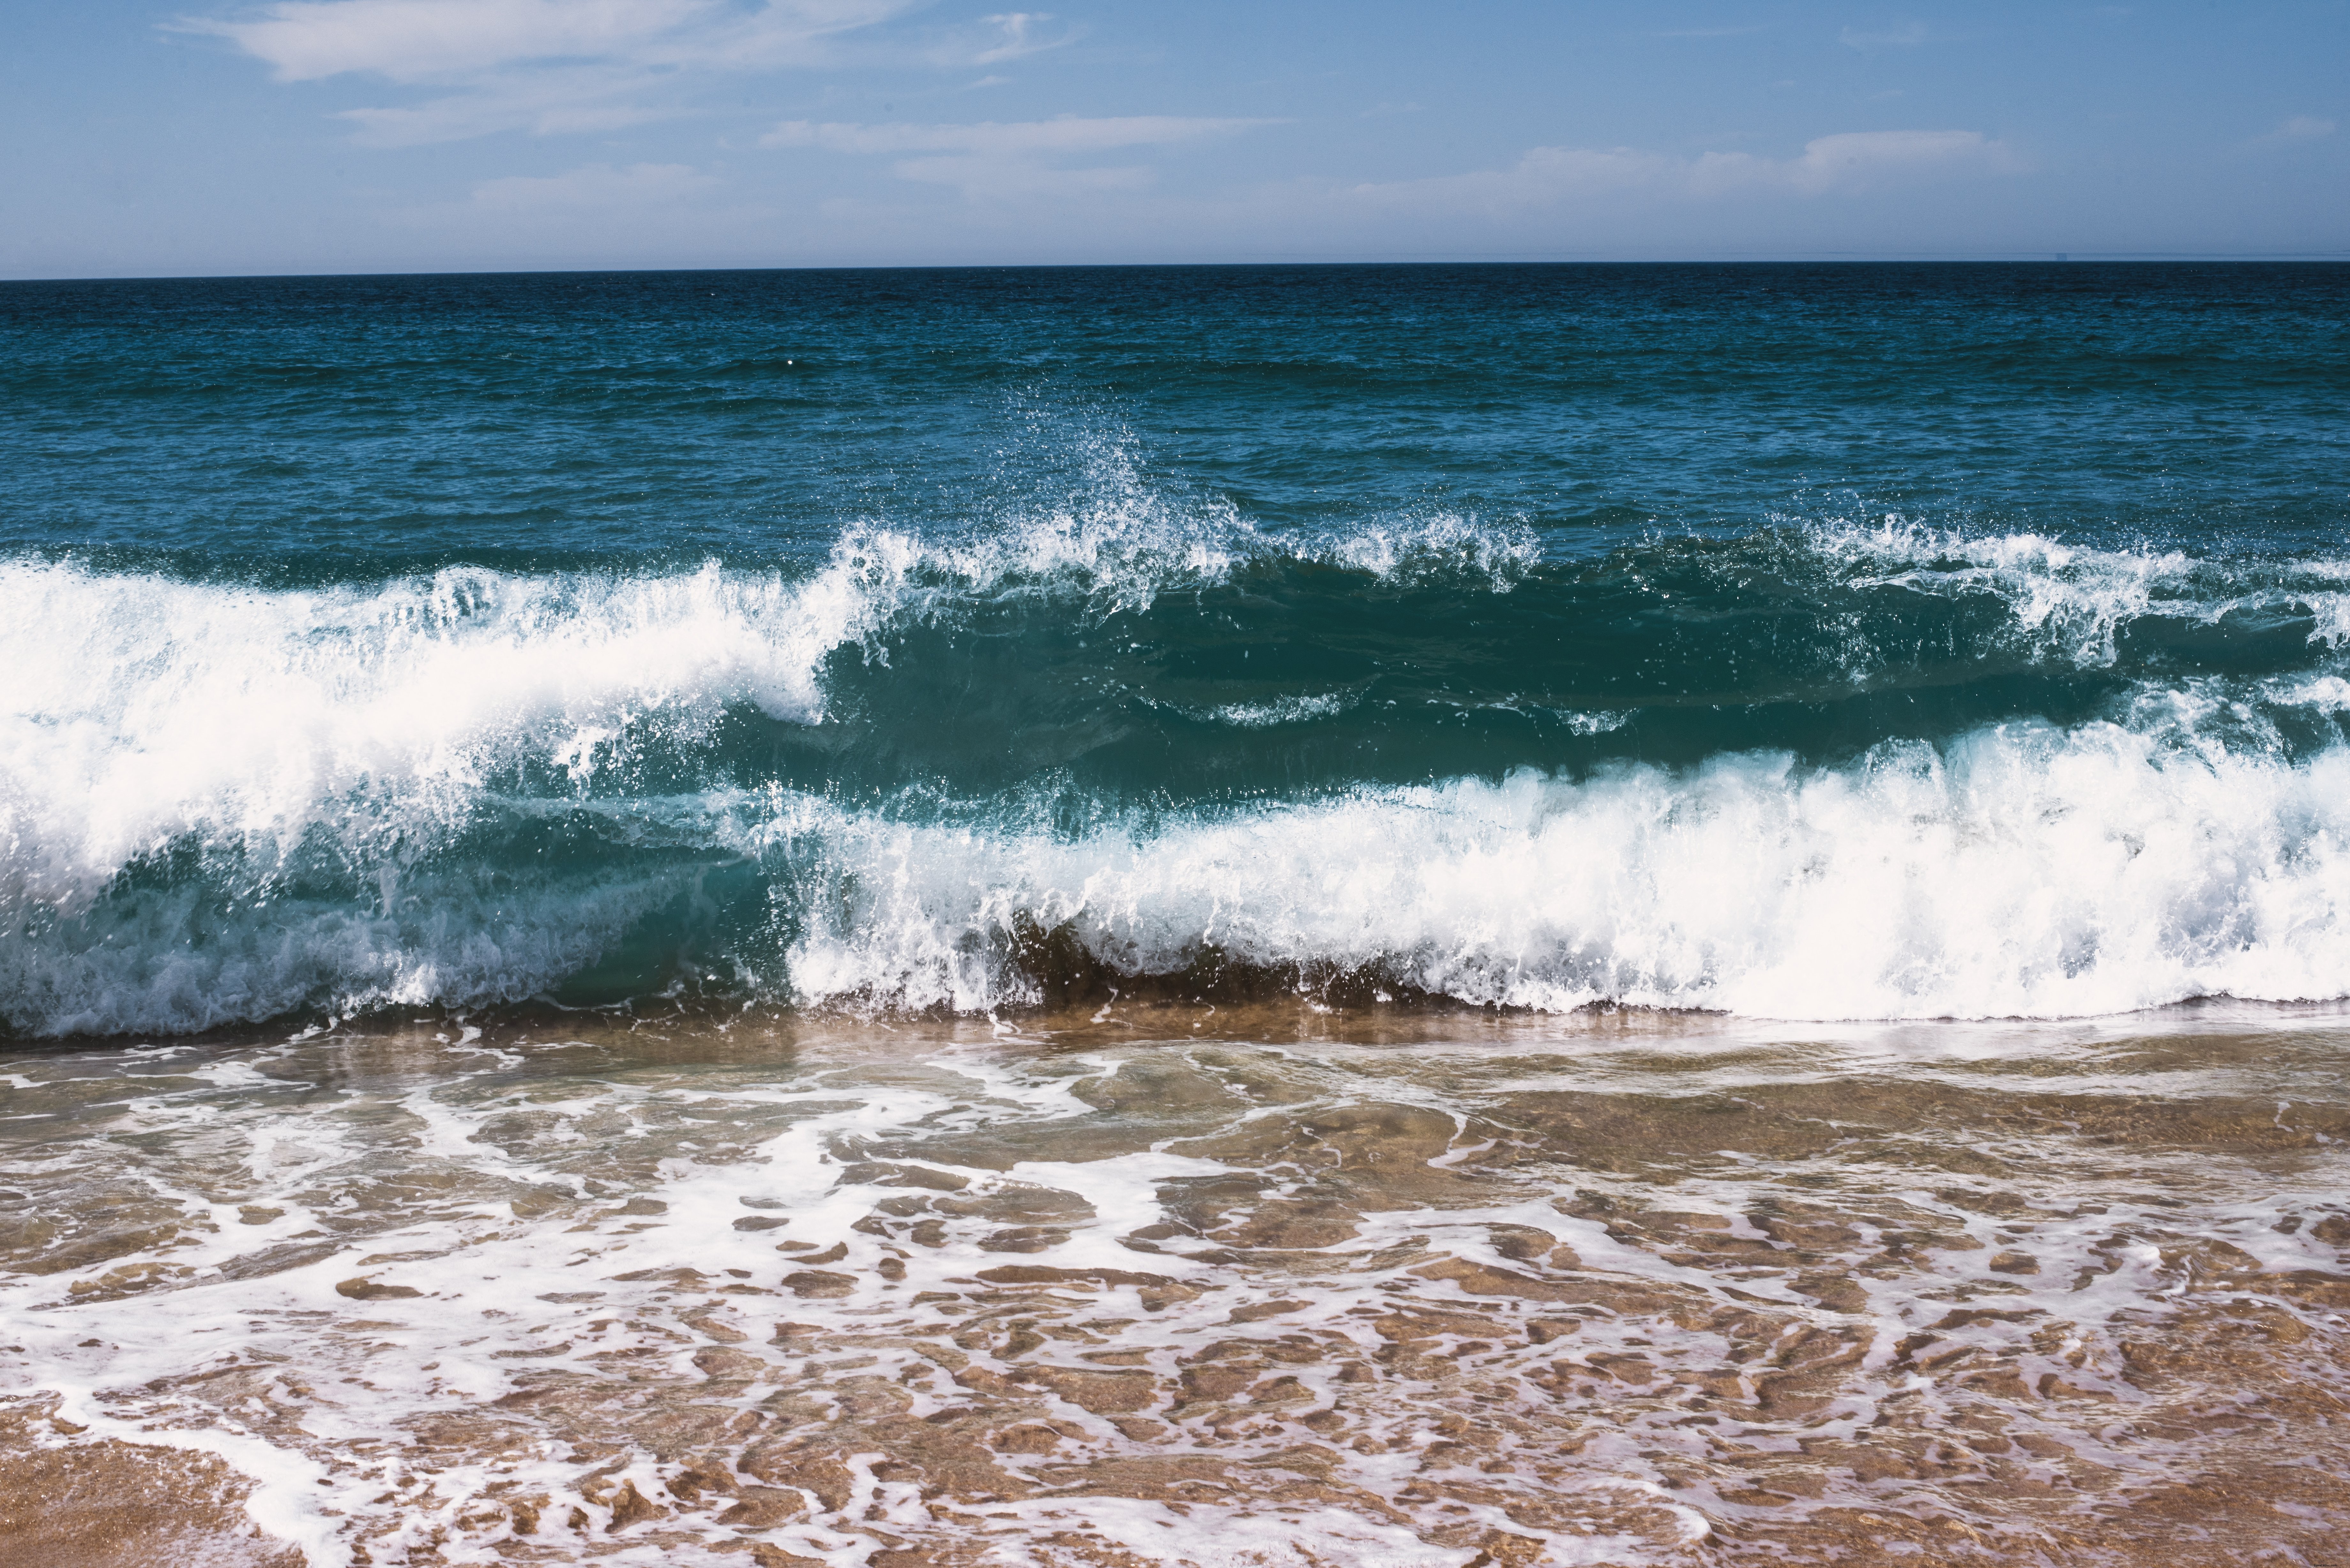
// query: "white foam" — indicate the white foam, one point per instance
point(329, 1404)
point(2073, 601)
point(2326, 694)
point(2021, 871)
point(1427, 546)
point(1590, 722)
point(364, 727)
point(283, 1503)
point(1279, 711)
point(139, 708)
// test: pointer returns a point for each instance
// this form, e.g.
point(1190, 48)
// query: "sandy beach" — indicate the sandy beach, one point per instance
point(1181, 1285)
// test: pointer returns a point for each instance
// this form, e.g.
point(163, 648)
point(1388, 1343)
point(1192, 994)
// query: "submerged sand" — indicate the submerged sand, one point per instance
point(1176, 1285)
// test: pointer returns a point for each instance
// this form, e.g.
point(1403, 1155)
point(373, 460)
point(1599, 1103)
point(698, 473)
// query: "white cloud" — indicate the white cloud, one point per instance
point(2302, 127)
point(997, 39)
point(426, 40)
point(594, 187)
point(1859, 159)
point(545, 103)
point(1850, 161)
point(1019, 37)
point(544, 65)
point(1017, 158)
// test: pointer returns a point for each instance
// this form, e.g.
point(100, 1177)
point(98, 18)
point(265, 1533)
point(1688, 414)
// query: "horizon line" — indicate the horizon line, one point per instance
point(1487, 258)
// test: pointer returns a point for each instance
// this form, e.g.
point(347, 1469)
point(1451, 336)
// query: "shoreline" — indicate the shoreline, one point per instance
point(1632, 1292)
point(1145, 1011)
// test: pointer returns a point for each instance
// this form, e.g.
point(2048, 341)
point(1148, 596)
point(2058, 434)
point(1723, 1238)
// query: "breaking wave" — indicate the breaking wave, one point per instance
point(223, 803)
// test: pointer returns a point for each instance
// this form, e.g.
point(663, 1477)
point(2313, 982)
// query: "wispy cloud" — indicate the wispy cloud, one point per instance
point(996, 39)
point(545, 103)
point(2301, 127)
point(1851, 162)
point(1020, 158)
point(1020, 37)
point(428, 40)
point(542, 65)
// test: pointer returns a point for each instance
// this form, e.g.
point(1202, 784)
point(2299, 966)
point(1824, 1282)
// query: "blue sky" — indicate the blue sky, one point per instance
point(410, 135)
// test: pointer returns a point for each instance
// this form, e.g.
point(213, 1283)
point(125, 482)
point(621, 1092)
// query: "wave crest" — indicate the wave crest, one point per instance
point(2074, 602)
point(2021, 871)
point(221, 802)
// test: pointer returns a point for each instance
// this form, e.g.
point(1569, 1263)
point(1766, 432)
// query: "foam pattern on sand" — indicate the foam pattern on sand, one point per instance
point(549, 1298)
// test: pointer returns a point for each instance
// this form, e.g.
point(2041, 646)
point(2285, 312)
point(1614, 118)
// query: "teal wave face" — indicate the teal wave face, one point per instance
point(983, 775)
point(1796, 641)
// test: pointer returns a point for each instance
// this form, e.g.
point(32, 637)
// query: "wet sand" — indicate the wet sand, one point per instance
point(1181, 1285)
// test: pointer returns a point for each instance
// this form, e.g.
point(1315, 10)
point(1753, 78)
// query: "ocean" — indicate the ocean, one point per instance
point(1477, 915)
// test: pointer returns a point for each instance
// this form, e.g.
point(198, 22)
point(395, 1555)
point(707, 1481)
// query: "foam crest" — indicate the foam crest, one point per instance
point(2074, 602)
point(222, 802)
point(2019, 871)
point(1298, 709)
point(1115, 540)
point(1120, 540)
point(141, 709)
point(2071, 599)
point(1434, 546)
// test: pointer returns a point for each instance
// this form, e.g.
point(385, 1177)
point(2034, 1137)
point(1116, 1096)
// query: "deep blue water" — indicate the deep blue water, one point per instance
point(1813, 641)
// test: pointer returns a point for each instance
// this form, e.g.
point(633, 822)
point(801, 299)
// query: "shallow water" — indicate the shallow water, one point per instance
point(1188, 1284)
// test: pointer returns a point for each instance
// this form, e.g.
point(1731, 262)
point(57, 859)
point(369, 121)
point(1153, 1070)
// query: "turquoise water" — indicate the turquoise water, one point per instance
point(1797, 641)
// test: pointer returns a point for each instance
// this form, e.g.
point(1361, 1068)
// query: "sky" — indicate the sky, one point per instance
point(211, 136)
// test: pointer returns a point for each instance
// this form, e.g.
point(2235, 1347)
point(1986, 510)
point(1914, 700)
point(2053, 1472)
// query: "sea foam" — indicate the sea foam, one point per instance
point(2023, 870)
point(140, 709)
point(2074, 602)
point(221, 802)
